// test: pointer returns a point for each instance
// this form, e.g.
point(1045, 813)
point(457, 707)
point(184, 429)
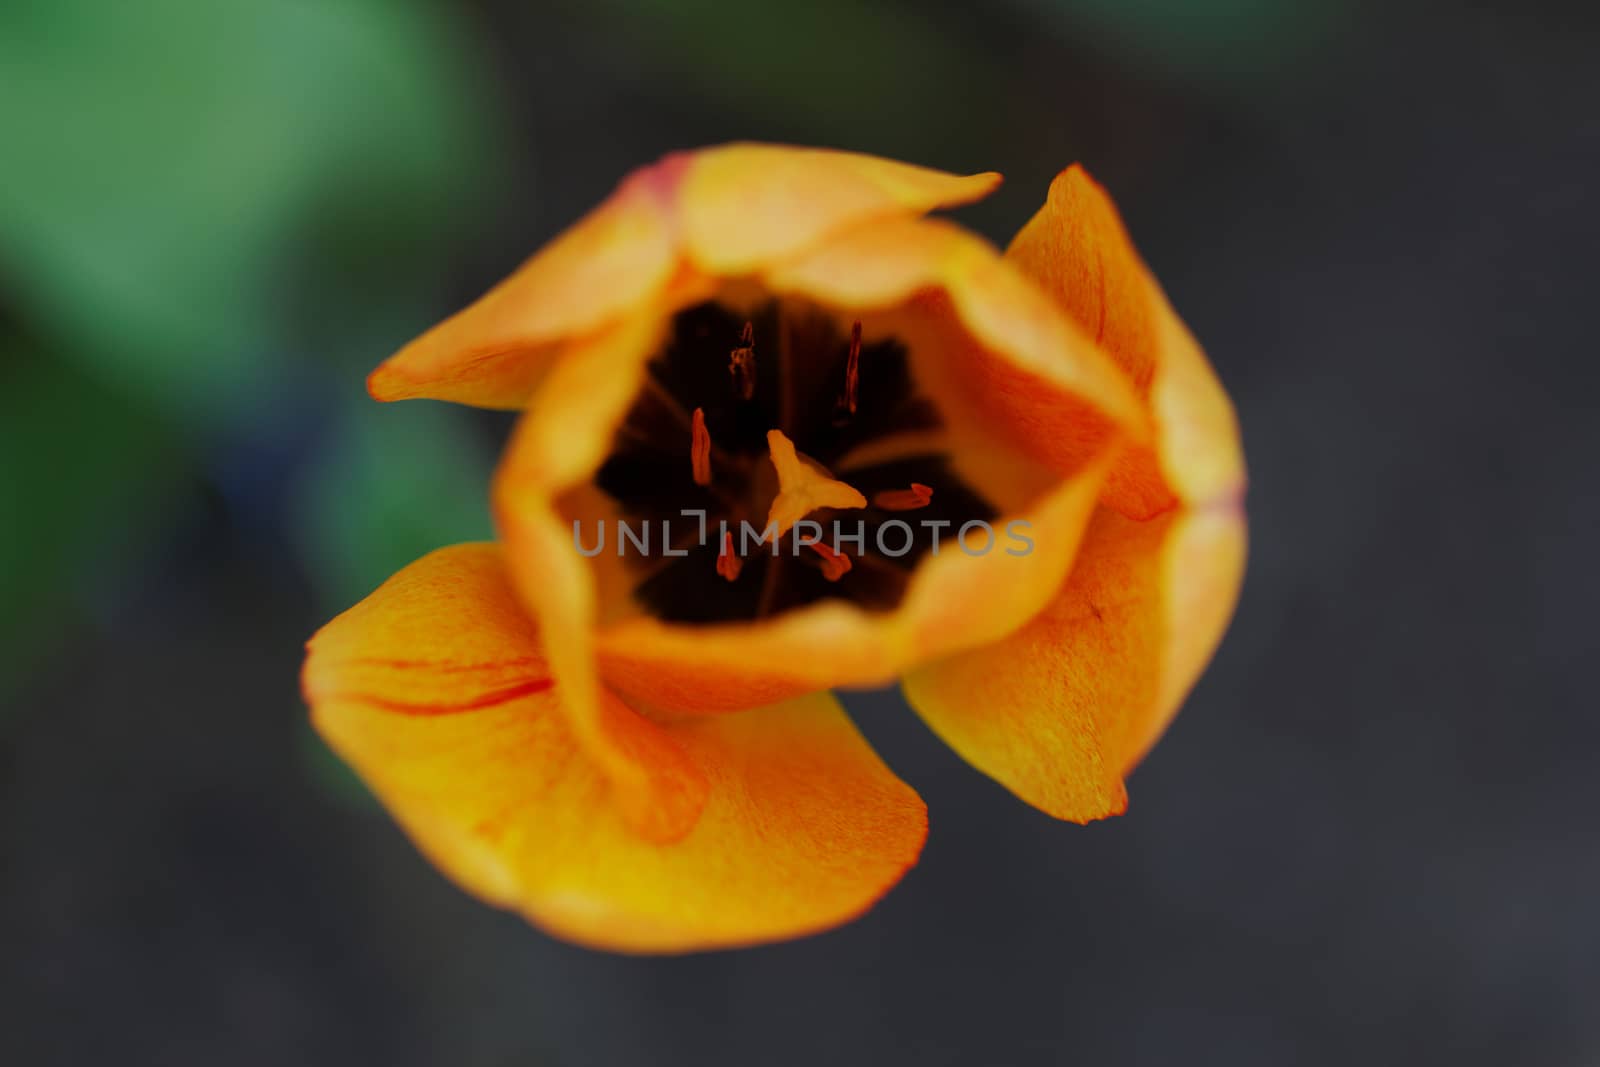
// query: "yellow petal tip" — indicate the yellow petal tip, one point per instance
point(384, 385)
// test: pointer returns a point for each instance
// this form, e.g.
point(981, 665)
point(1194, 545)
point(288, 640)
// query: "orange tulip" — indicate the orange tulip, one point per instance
point(638, 750)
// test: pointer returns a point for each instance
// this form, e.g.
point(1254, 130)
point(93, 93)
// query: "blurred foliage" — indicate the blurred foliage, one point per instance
point(392, 483)
point(873, 76)
point(72, 490)
point(214, 213)
point(163, 158)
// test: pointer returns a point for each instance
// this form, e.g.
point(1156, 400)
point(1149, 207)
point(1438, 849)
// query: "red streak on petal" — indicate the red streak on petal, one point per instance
point(477, 703)
point(436, 667)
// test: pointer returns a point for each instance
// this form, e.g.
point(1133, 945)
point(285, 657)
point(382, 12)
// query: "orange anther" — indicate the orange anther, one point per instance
point(917, 496)
point(700, 449)
point(729, 562)
point(835, 565)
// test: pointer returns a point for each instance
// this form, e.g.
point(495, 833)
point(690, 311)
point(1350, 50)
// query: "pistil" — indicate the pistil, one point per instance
point(804, 486)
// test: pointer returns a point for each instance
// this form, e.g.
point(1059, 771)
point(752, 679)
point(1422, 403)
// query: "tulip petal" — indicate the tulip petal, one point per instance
point(560, 442)
point(804, 827)
point(494, 352)
point(407, 648)
point(1078, 251)
point(744, 205)
point(448, 635)
point(1027, 373)
point(718, 210)
point(1061, 710)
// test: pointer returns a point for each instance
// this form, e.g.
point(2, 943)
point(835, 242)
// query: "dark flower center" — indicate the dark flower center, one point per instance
point(697, 439)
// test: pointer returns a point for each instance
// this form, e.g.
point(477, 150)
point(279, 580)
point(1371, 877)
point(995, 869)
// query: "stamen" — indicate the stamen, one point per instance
point(835, 564)
point(918, 496)
point(742, 362)
point(729, 562)
point(700, 449)
point(852, 370)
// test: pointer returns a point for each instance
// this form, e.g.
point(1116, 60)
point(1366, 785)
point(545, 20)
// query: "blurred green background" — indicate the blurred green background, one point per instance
point(1370, 835)
point(215, 217)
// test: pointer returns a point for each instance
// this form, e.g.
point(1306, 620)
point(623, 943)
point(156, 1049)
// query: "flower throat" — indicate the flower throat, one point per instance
point(757, 418)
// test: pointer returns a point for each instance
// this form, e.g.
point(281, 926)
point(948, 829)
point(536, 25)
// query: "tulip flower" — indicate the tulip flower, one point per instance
point(1027, 483)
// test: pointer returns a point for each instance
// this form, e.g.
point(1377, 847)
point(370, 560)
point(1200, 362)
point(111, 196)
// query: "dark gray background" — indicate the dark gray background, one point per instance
point(1370, 837)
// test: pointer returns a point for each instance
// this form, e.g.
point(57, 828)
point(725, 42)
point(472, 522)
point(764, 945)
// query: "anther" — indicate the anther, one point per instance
point(700, 448)
point(835, 564)
point(742, 363)
point(852, 370)
point(918, 496)
point(729, 562)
